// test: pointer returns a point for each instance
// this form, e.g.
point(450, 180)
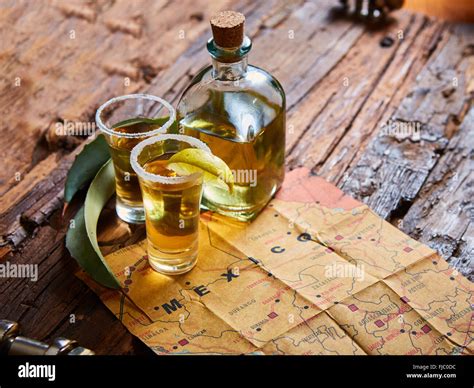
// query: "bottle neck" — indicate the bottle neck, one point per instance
point(229, 71)
point(229, 64)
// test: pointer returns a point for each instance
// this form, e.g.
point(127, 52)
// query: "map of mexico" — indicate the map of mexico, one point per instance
point(316, 273)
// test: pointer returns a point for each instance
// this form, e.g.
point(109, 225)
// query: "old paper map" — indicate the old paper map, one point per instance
point(316, 273)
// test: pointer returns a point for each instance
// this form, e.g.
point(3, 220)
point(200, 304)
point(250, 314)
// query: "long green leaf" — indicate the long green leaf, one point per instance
point(85, 166)
point(81, 240)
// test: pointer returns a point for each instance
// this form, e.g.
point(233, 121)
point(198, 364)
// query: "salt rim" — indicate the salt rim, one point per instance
point(160, 178)
point(157, 131)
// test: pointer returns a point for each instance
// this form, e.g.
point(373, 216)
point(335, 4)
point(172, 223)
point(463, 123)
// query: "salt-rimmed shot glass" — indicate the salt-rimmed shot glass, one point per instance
point(126, 121)
point(171, 203)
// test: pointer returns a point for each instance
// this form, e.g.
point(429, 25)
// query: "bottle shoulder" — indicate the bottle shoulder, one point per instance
point(240, 111)
point(256, 81)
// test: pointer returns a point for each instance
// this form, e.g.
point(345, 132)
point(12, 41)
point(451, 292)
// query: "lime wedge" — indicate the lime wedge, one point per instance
point(215, 171)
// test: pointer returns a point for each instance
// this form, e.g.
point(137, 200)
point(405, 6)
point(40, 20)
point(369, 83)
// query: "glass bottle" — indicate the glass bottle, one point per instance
point(239, 111)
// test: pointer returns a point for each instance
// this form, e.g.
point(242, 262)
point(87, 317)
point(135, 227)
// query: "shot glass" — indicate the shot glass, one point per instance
point(171, 202)
point(126, 121)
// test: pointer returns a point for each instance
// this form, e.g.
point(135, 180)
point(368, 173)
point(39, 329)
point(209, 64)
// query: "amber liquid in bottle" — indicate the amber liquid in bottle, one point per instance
point(256, 160)
point(239, 111)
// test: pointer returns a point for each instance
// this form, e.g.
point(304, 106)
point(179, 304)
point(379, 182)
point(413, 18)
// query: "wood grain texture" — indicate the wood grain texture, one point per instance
point(342, 86)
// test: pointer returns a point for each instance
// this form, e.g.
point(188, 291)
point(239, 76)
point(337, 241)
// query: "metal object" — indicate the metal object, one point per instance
point(11, 343)
point(371, 9)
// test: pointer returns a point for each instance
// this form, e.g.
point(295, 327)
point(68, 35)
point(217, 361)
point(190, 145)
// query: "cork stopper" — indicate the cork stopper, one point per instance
point(228, 29)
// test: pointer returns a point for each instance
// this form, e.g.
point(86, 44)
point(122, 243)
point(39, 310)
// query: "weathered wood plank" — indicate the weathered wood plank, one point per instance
point(345, 95)
point(442, 216)
point(419, 41)
point(33, 200)
point(393, 170)
point(393, 173)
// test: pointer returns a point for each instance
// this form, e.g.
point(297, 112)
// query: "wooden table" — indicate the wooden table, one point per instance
point(60, 61)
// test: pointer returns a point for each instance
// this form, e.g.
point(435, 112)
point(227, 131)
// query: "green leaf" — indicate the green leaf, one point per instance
point(85, 166)
point(81, 240)
point(140, 120)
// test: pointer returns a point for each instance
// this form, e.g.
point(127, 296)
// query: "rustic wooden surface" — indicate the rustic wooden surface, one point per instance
point(60, 60)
